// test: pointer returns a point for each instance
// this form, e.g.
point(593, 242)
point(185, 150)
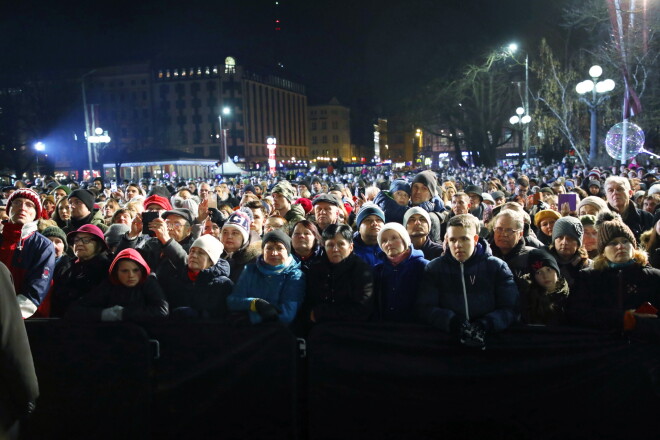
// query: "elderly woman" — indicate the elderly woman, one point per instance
point(273, 288)
point(566, 247)
point(613, 294)
point(85, 273)
point(397, 274)
point(62, 212)
point(592, 206)
point(306, 244)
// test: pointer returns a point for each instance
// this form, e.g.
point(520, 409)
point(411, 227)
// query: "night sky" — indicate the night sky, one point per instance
point(370, 54)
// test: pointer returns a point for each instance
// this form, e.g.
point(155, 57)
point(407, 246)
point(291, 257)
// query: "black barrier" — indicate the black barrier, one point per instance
point(93, 381)
point(365, 381)
point(407, 382)
point(214, 381)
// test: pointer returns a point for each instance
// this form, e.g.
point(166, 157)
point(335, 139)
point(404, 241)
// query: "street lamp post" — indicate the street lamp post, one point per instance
point(599, 90)
point(223, 138)
point(521, 120)
point(513, 47)
point(39, 147)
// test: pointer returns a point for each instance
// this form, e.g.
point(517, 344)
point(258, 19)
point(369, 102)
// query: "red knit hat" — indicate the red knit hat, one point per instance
point(305, 203)
point(158, 200)
point(25, 193)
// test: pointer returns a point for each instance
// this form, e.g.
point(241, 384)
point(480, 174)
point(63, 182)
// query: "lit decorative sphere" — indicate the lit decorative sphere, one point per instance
point(634, 137)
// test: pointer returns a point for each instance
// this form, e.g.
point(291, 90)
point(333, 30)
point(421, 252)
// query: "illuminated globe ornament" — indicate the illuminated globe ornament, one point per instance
point(634, 137)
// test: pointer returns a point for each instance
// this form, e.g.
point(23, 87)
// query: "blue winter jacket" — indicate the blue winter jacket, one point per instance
point(368, 253)
point(396, 286)
point(284, 289)
point(482, 289)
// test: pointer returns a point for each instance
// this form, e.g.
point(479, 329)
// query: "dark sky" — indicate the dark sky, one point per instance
point(368, 53)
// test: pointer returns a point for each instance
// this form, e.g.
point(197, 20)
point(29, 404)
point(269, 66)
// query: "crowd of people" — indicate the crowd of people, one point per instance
point(468, 251)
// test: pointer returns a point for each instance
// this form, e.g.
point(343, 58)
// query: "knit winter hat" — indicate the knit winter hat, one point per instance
point(85, 196)
point(54, 231)
point(25, 193)
point(594, 201)
point(610, 226)
point(570, 226)
point(497, 195)
point(64, 188)
point(286, 189)
point(588, 220)
point(155, 199)
point(594, 183)
point(399, 229)
point(277, 235)
point(546, 214)
point(367, 210)
point(242, 222)
point(416, 210)
point(305, 203)
point(539, 258)
point(400, 185)
point(428, 179)
point(211, 245)
point(114, 233)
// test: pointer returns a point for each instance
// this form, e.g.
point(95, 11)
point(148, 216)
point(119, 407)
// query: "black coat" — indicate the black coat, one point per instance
point(18, 382)
point(206, 296)
point(601, 297)
point(76, 281)
point(338, 292)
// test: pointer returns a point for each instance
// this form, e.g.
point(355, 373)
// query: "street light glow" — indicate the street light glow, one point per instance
point(595, 71)
point(520, 111)
point(226, 110)
point(513, 47)
point(526, 119)
point(98, 131)
point(514, 120)
point(39, 146)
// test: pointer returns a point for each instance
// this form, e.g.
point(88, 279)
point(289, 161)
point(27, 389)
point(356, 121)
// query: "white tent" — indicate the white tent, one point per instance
point(228, 168)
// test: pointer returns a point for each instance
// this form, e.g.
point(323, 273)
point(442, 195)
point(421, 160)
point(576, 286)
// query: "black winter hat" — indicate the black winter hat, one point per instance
point(85, 196)
point(277, 235)
point(539, 258)
point(428, 179)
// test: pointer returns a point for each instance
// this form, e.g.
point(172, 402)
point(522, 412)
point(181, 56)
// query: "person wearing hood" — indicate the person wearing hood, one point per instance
point(29, 256)
point(272, 289)
point(543, 291)
point(130, 293)
point(239, 248)
point(424, 193)
point(468, 292)
point(397, 275)
point(200, 284)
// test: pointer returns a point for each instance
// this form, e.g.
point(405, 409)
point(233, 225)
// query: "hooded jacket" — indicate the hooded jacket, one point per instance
point(143, 302)
point(206, 295)
point(30, 257)
point(396, 286)
point(480, 290)
point(284, 289)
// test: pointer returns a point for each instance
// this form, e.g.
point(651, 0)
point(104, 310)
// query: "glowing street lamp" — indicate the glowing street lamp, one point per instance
point(40, 147)
point(223, 135)
point(513, 48)
point(521, 120)
point(599, 90)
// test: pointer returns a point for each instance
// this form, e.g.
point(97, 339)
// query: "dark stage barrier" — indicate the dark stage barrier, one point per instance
point(366, 381)
point(408, 382)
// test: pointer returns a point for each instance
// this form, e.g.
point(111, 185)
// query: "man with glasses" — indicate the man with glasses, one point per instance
point(507, 241)
point(29, 255)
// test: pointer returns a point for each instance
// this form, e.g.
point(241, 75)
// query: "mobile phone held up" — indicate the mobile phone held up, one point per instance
point(148, 217)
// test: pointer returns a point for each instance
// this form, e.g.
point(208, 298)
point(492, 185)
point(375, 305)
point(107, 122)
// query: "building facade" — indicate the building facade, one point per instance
point(330, 132)
point(181, 109)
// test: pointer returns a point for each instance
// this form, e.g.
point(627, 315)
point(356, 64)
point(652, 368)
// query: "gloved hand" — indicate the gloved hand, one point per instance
point(114, 313)
point(473, 335)
point(266, 310)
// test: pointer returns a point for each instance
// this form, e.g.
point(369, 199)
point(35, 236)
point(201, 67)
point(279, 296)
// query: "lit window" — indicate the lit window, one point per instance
point(199, 71)
point(215, 70)
point(160, 74)
point(176, 72)
point(167, 73)
point(208, 70)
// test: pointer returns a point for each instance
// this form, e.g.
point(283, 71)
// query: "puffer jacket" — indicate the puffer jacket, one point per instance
point(396, 286)
point(143, 302)
point(516, 259)
point(151, 250)
point(601, 297)
point(481, 289)
point(241, 258)
point(206, 295)
point(284, 289)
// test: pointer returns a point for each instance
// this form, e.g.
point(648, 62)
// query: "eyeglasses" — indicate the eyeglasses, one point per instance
point(505, 231)
point(17, 203)
point(175, 225)
point(83, 240)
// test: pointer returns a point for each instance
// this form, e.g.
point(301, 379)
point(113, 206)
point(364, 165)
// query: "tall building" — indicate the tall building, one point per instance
point(181, 108)
point(330, 131)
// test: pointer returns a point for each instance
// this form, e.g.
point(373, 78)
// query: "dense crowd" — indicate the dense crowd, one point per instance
point(468, 251)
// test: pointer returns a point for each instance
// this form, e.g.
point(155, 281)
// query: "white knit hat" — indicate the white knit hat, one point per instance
point(210, 245)
point(398, 228)
point(416, 210)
